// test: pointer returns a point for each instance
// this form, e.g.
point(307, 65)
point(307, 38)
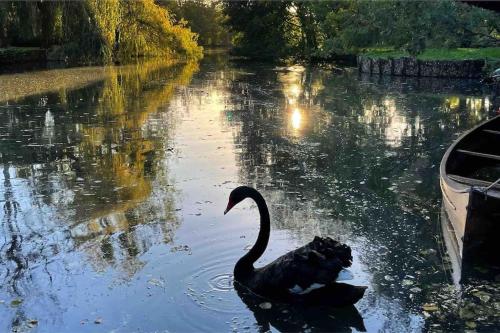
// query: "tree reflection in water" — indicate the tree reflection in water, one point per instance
point(89, 188)
point(81, 171)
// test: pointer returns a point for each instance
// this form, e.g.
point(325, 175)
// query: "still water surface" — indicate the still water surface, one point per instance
point(113, 188)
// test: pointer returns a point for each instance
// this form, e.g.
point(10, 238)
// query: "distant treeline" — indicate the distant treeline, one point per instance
point(102, 31)
point(323, 29)
point(206, 18)
point(117, 30)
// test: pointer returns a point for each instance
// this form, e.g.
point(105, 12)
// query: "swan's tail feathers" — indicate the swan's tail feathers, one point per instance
point(336, 294)
point(332, 249)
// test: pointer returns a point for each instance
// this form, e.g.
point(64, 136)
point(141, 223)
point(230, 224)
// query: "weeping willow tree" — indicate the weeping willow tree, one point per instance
point(97, 30)
point(146, 29)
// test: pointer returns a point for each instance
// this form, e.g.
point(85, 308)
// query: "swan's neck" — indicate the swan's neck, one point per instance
point(244, 266)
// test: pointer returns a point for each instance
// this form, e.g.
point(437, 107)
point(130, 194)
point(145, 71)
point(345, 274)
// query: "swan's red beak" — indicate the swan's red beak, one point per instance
point(230, 205)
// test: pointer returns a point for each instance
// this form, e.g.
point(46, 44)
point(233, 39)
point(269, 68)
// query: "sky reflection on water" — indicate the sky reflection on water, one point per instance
point(113, 193)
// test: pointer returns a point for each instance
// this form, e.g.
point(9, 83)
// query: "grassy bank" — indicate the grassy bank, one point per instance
point(11, 55)
point(489, 53)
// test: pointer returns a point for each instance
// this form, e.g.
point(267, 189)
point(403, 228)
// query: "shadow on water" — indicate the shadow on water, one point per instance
point(297, 317)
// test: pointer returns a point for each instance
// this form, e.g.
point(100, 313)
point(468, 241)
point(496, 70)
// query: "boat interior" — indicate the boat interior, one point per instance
point(480, 241)
point(475, 160)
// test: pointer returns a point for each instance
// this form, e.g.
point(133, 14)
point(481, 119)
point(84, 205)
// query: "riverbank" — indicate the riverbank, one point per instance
point(460, 63)
point(21, 55)
point(15, 59)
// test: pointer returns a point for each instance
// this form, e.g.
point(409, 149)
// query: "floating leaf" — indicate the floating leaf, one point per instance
point(180, 248)
point(482, 295)
point(265, 305)
point(470, 324)
point(429, 307)
point(156, 282)
point(406, 282)
point(467, 313)
point(16, 302)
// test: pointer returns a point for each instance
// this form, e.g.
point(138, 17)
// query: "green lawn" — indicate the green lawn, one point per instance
point(489, 53)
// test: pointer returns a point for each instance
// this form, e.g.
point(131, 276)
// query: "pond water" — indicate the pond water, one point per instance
point(113, 188)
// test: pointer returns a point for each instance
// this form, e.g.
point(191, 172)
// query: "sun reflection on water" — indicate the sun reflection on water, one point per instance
point(296, 119)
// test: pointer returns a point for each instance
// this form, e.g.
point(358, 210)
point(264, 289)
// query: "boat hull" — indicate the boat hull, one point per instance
point(471, 200)
point(455, 202)
point(452, 246)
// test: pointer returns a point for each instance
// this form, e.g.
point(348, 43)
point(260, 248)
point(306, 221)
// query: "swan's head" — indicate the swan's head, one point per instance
point(238, 195)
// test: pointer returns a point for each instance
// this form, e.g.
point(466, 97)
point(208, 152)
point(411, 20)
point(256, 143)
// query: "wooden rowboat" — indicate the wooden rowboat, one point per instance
point(470, 183)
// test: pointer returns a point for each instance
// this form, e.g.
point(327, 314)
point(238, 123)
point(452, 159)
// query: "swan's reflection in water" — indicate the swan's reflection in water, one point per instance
point(298, 317)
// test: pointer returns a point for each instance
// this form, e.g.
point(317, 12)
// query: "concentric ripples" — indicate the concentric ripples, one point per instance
point(222, 282)
point(210, 284)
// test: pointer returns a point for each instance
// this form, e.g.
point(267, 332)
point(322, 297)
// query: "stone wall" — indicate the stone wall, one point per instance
point(409, 66)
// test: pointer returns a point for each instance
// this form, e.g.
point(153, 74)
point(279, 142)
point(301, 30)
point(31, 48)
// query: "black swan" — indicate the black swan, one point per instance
point(306, 275)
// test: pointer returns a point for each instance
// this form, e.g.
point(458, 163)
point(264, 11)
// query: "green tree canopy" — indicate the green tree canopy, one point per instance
point(317, 28)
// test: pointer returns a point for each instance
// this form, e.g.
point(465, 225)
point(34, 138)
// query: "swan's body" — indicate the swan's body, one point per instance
point(307, 274)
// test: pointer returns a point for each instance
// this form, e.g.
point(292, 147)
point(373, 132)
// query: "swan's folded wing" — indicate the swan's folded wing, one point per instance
point(311, 266)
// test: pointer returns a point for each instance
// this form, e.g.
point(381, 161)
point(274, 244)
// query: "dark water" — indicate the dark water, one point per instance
point(112, 196)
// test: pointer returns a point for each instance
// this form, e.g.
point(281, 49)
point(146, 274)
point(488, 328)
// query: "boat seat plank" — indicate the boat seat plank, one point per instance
point(491, 131)
point(475, 153)
point(472, 181)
